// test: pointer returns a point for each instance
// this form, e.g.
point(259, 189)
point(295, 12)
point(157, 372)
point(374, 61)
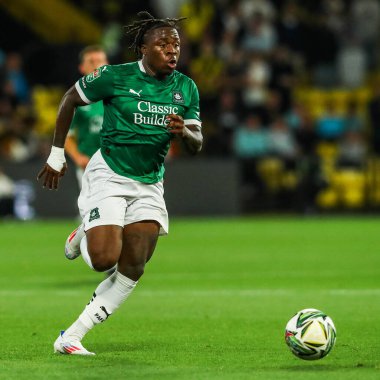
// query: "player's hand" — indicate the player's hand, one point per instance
point(51, 177)
point(176, 125)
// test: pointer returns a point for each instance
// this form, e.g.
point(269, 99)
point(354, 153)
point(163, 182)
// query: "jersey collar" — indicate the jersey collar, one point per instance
point(142, 69)
point(141, 66)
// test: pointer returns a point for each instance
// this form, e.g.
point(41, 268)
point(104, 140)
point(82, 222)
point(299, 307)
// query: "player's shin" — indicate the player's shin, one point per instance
point(108, 296)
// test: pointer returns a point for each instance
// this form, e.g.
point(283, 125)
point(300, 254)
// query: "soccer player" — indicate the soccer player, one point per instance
point(83, 139)
point(146, 104)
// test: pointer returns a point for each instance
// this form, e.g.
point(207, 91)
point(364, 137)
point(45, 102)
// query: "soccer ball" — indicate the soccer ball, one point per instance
point(310, 334)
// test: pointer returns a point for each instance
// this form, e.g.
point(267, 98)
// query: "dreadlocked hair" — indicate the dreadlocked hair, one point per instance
point(147, 22)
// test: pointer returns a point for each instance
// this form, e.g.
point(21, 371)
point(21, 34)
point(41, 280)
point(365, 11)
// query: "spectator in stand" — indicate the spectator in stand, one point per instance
point(365, 24)
point(351, 64)
point(283, 76)
point(331, 125)
point(167, 8)
point(227, 46)
point(310, 180)
point(271, 109)
point(251, 139)
point(16, 84)
point(282, 143)
point(231, 19)
point(334, 12)
point(354, 120)
point(295, 115)
point(235, 71)
point(199, 16)
point(374, 118)
point(265, 7)
point(290, 30)
point(259, 35)
point(256, 81)
point(228, 119)
point(251, 145)
point(352, 151)
point(17, 140)
point(207, 71)
point(305, 133)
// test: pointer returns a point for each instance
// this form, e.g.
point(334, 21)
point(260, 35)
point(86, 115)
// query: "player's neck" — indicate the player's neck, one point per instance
point(149, 71)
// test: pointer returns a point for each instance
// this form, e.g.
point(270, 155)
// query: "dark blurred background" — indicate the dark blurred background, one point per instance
point(290, 101)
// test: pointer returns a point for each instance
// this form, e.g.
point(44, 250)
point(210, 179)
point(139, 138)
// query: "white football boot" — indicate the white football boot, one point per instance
point(68, 347)
point(72, 245)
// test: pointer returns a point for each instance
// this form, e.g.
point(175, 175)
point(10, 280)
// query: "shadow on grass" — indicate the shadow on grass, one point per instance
point(325, 367)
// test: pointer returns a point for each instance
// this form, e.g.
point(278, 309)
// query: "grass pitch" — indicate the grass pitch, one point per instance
point(213, 302)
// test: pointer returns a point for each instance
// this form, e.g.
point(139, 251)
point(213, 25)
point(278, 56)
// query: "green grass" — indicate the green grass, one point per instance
point(213, 302)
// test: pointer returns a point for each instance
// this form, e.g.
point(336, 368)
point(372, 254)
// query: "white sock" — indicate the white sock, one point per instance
point(78, 330)
point(84, 252)
point(108, 296)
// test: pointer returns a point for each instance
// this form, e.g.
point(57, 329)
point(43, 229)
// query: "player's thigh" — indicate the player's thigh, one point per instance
point(104, 244)
point(139, 242)
point(104, 222)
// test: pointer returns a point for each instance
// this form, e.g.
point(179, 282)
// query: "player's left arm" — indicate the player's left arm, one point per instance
point(191, 135)
point(188, 128)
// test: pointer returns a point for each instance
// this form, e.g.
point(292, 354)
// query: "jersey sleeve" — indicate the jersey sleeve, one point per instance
point(96, 86)
point(192, 112)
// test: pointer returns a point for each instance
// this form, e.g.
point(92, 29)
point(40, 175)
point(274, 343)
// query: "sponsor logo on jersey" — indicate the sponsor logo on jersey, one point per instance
point(177, 97)
point(94, 75)
point(153, 114)
point(94, 214)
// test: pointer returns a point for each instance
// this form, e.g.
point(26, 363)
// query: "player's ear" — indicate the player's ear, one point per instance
point(143, 49)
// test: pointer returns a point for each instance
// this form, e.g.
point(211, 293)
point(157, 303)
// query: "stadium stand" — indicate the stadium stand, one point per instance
point(284, 63)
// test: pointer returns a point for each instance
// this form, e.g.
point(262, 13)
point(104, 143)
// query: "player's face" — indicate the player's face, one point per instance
point(161, 50)
point(92, 61)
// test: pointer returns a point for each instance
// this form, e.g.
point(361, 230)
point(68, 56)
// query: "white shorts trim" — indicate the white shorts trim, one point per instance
point(108, 198)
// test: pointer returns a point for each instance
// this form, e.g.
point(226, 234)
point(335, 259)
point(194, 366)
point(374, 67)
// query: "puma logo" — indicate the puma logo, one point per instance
point(105, 311)
point(132, 91)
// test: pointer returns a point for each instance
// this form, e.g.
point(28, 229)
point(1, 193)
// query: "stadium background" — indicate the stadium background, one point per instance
point(290, 99)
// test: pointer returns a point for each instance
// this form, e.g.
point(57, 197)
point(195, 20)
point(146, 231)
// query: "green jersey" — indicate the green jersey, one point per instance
point(134, 137)
point(86, 127)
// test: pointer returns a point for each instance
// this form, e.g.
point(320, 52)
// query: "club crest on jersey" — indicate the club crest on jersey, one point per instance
point(94, 214)
point(177, 97)
point(94, 75)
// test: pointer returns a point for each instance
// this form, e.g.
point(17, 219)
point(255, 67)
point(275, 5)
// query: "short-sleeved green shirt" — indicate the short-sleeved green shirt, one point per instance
point(134, 138)
point(86, 127)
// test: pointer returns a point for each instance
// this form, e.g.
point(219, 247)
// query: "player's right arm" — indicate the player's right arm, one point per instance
point(55, 166)
point(91, 88)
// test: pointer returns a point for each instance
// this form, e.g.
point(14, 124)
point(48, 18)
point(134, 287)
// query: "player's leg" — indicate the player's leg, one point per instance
point(138, 243)
point(72, 245)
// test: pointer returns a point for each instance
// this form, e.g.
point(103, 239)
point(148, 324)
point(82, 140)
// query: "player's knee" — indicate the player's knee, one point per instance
point(134, 272)
point(101, 264)
point(102, 259)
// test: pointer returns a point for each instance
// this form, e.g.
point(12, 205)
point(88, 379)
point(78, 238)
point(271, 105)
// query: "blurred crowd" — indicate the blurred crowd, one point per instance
point(249, 58)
